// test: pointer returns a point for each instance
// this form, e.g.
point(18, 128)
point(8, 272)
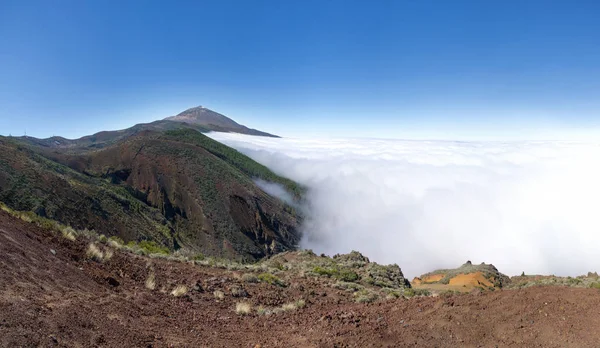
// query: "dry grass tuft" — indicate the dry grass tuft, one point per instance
point(151, 281)
point(243, 308)
point(108, 254)
point(179, 290)
point(263, 311)
point(289, 307)
point(219, 295)
point(69, 234)
point(292, 306)
point(94, 253)
point(115, 244)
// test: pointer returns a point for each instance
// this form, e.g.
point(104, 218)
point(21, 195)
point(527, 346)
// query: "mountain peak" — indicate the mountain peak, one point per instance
point(214, 121)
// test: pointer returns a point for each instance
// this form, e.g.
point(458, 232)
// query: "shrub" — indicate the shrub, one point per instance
point(271, 279)
point(345, 275)
point(238, 291)
point(152, 247)
point(249, 278)
point(392, 293)
point(365, 296)
point(595, 285)
point(411, 292)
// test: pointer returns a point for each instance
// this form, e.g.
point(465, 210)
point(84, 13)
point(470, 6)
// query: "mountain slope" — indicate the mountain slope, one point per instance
point(214, 121)
point(53, 294)
point(105, 138)
point(178, 188)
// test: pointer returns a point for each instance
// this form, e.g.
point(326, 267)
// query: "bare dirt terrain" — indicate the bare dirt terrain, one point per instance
point(51, 294)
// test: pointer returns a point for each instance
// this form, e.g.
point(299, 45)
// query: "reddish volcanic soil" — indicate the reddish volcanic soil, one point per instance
point(51, 295)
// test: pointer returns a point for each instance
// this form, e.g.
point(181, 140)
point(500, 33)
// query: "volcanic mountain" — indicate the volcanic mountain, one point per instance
point(201, 116)
point(163, 182)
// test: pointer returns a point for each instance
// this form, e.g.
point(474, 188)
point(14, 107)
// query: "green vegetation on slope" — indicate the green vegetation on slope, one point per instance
point(178, 189)
point(235, 158)
point(31, 182)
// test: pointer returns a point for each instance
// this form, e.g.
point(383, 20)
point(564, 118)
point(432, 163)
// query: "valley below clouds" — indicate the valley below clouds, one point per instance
point(524, 206)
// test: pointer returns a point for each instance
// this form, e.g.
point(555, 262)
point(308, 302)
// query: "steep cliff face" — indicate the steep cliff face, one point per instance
point(178, 188)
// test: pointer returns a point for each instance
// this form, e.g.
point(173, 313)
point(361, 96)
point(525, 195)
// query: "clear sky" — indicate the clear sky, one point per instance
point(430, 69)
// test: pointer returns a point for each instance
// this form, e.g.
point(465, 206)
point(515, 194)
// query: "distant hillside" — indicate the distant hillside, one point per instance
point(214, 121)
point(198, 118)
point(106, 138)
point(160, 182)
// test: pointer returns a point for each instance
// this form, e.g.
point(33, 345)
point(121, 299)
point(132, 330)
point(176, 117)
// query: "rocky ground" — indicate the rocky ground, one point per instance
point(57, 290)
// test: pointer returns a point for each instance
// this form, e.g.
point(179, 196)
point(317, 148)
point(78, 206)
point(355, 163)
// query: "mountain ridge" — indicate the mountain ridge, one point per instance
point(197, 118)
point(213, 120)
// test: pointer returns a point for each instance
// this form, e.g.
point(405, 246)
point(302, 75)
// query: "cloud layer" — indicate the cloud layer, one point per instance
point(523, 206)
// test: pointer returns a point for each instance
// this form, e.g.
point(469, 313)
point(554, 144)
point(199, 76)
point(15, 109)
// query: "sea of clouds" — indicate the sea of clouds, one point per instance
point(523, 206)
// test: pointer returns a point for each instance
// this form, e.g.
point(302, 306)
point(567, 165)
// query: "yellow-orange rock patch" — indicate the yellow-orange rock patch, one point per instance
point(432, 278)
point(471, 279)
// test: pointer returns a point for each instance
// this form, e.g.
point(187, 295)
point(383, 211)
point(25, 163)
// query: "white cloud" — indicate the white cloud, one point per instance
point(523, 206)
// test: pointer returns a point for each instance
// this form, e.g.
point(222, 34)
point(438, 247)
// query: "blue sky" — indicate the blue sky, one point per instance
point(409, 69)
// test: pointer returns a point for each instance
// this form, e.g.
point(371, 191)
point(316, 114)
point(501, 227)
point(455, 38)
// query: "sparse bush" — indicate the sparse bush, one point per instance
point(243, 308)
point(249, 278)
point(271, 279)
point(345, 275)
point(238, 291)
point(263, 311)
point(412, 292)
point(179, 290)
point(392, 293)
point(278, 265)
point(389, 276)
point(152, 247)
point(219, 295)
point(292, 306)
point(348, 286)
point(307, 252)
point(449, 293)
point(365, 296)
